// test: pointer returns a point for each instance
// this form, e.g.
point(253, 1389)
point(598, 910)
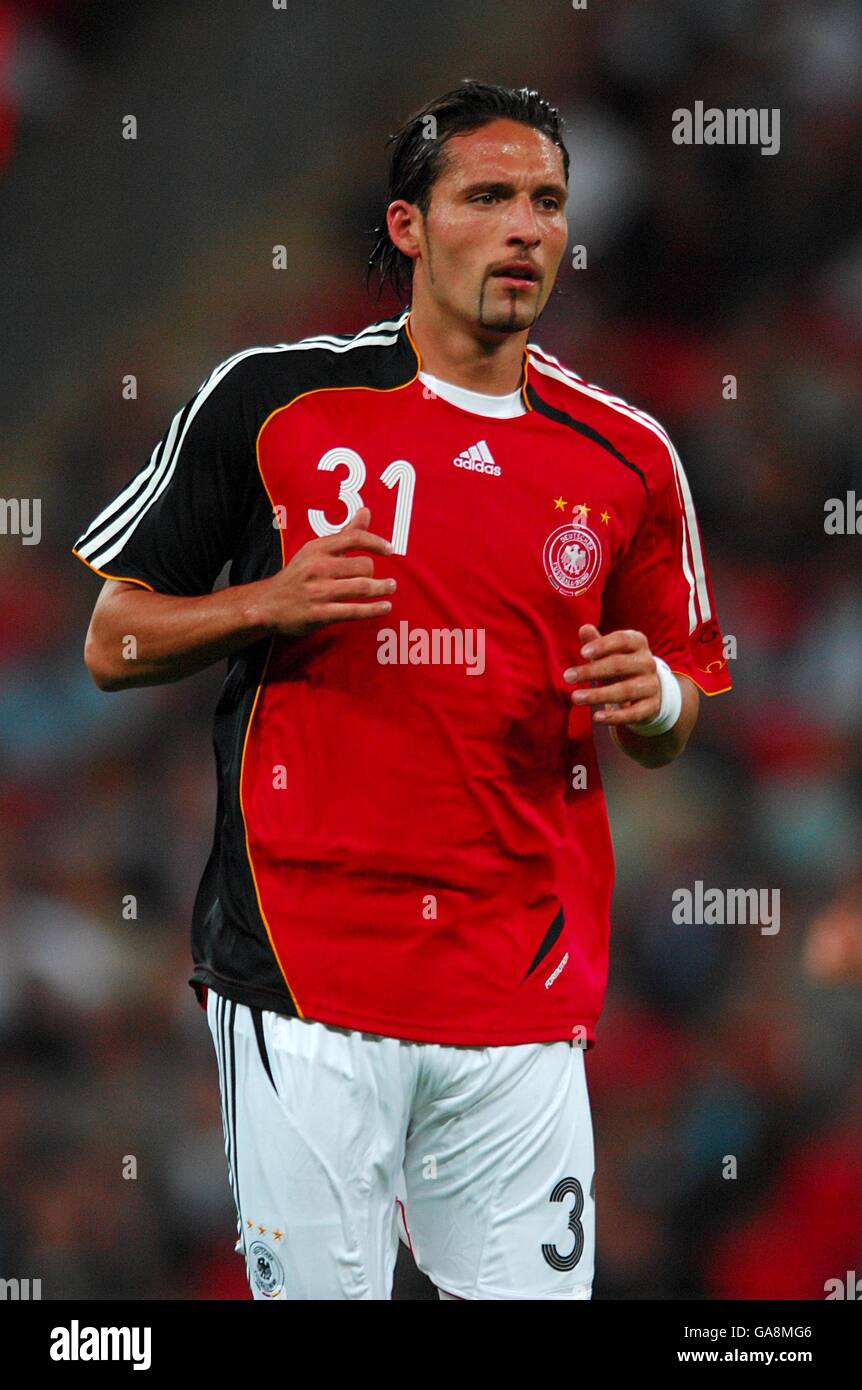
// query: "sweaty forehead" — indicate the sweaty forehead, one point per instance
point(502, 149)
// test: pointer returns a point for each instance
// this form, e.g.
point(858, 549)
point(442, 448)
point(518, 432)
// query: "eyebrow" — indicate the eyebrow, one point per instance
point(502, 188)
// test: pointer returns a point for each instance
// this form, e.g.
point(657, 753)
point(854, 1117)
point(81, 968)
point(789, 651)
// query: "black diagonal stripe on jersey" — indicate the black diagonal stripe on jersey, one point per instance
point(228, 1105)
point(257, 1020)
point(562, 418)
point(221, 1011)
point(232, 1039)
point(551, 935)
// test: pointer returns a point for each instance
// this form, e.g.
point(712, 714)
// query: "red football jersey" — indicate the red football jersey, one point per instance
point(411, 835)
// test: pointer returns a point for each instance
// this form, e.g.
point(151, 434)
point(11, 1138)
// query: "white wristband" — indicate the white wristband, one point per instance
point(671, 704)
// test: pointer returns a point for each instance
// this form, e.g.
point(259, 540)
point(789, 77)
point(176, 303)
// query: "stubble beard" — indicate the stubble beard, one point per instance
point(510, 319)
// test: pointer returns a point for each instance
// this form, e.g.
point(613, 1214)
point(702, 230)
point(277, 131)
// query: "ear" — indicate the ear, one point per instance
point(403, 222)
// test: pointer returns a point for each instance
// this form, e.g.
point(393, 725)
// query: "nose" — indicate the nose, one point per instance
point(523, 225)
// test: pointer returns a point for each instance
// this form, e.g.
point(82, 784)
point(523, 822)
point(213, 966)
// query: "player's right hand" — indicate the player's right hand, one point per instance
point(323, 584)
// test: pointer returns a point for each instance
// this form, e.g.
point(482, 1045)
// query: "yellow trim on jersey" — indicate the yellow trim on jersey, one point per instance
point(242, 765)
point(413, 345)
point(524, 383)
point(245, 828)
point(317, 390)
point(523, 387)
point(126, 578)
point(701, 688)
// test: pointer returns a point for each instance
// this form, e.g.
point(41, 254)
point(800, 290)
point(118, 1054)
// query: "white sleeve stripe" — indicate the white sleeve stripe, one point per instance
point(93, 546)
point(335, 341)
point(160, 479)
point(694, 572)
point(118, 502)
point(96, 551)
point(153, 471)
point(693, 540)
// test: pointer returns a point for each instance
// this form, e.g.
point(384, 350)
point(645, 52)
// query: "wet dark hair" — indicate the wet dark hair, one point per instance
point(417, 158)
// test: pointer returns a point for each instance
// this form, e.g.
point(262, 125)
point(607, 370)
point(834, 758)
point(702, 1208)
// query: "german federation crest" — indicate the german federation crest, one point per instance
point(572, 556)
point(266, 1269)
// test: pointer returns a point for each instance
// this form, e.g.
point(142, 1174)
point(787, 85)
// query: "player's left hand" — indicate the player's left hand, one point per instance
point(625, 667)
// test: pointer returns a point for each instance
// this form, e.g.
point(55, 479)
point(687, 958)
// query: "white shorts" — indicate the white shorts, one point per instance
point(337, 1141)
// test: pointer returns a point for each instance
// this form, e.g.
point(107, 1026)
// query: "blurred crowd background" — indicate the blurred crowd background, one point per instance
point(258, 126)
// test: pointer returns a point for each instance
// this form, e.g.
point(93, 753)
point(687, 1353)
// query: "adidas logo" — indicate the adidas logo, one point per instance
point(479, 459)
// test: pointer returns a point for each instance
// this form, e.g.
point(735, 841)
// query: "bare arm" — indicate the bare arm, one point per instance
point(137, 637)
point(658, 751)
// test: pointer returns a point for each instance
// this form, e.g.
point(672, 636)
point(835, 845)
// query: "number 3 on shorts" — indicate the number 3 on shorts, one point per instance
point(564, 1188)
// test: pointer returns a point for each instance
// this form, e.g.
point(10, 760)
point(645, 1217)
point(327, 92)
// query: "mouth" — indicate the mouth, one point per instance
point(518, 275)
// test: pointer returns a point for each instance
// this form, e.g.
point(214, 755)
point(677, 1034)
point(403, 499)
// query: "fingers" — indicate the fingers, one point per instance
point(625, 652)
point(349, 566)
point(637, 688)
point(625, 664)
point(348, 612)
point(322, 582)
point(339, 577)
point(625, 639)
point(356, 535)
point(637, 713)
point(357, 586)
point(354, 538)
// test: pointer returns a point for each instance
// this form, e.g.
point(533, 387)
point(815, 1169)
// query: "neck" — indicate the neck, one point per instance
point(453, 352)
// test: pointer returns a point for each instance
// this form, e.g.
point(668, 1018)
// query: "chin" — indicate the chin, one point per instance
point(506, 323)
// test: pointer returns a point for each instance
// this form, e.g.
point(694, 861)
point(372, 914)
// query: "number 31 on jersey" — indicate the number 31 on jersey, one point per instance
point(399, 474)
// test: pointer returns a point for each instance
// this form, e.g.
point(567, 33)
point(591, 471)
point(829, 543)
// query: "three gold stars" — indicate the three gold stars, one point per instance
point(262, 1229)
point(581, 509)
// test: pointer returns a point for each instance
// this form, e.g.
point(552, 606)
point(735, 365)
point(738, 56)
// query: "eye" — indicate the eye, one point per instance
point(555, 202)
point(480, 196)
